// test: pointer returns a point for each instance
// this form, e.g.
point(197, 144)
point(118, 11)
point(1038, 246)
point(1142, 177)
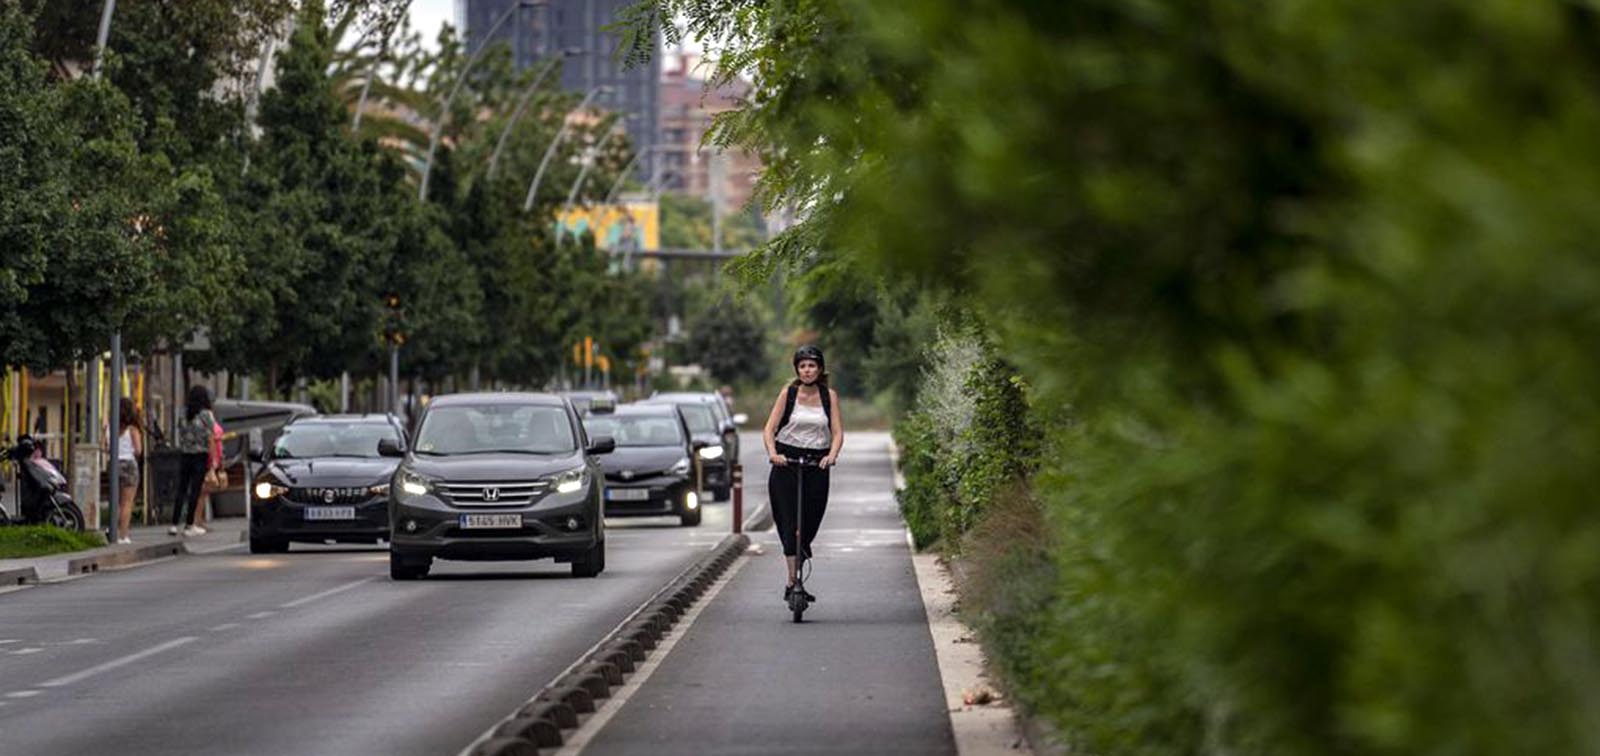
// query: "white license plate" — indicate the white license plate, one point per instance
point(627, 494)
point(330, 513)
point(473, 521)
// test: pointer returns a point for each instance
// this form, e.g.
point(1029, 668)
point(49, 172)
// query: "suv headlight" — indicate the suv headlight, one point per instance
point(711, 452)
point(266, 489)
point(569, 481)
point(378, 489)
point(681, 467)
point(413, 484)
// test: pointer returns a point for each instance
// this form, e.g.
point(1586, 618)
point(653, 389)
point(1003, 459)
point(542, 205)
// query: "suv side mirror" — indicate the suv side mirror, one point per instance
point(388, 448)
point(741, 419)
point(601, 445)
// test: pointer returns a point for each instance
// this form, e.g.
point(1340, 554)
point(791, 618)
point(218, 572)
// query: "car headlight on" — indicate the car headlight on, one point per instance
point(569, 481)
point(414, 484)
point(681, 467)
point(266, 489)
point(380, 489)
point(711, 452)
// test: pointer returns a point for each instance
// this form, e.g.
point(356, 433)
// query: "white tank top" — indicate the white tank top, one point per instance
point(807, 428)
point(125, 446)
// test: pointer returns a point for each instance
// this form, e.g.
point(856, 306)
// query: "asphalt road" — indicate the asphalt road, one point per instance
point(859, 676)
point(315, 651)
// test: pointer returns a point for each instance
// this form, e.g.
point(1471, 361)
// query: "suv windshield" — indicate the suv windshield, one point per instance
point(636, 430)
point(699, 418)
point(313, 439)
point(488, 428)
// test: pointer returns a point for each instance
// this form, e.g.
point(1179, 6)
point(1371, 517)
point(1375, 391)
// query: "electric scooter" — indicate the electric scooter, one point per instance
point(798, 603)
point(42, 497)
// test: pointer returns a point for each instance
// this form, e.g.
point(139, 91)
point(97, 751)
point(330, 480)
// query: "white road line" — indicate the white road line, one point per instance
point(608, 708)
point(23, 694)
point(115, 663)
point(261, 615)
point(224, 626)
point(4, 641)
point(25, 651)
point(324, 594)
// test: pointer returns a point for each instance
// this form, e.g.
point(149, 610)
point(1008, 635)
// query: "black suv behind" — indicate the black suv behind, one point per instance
point(494, 477)
point(323, 480)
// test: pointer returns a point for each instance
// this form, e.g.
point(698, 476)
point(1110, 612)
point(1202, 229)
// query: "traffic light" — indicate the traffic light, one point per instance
point(394, 325)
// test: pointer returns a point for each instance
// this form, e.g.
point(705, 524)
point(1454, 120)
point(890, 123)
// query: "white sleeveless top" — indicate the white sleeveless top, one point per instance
point(125, 446)
point(807, 428)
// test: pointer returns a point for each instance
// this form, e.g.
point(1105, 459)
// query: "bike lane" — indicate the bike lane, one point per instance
point(858, 676)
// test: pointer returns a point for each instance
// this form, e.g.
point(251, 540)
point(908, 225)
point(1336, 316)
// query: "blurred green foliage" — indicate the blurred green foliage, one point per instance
point(1307, 305)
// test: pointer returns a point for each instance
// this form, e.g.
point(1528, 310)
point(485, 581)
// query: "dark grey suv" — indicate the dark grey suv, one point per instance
point(493, 477)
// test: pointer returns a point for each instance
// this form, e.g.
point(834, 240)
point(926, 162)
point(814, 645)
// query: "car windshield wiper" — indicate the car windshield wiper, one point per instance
point(513, 451)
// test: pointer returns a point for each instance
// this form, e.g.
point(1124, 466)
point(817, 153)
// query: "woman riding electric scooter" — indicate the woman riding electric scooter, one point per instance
point(804, 426)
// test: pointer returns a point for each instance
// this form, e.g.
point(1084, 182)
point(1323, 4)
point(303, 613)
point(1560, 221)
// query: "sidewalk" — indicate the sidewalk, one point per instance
point(223, 533)
point(858, 676)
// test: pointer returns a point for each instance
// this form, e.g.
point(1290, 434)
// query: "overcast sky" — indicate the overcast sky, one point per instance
point(428, 15)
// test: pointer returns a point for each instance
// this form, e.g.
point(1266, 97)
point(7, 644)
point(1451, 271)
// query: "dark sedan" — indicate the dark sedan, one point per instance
point(498, 477)
point(707, 428)
point(651, 472)
point(323, 480)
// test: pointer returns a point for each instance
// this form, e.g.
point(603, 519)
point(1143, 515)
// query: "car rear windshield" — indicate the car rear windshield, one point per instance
point(699, 418)
point(302, 440)
point(636, 430)
point(489, 428)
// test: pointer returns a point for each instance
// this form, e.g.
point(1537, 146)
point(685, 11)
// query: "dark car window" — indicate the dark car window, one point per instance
point(484, 428)
point(312, 439)
point(699, 418)
point(637, 430)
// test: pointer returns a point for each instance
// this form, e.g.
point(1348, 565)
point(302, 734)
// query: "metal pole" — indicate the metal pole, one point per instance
point(106, 10)
point(372, 71)
point(738, 497)
point(394, 378)
point(444, 111)
point(716, 201)
point(522, 104)
point(583, 173)
point(616, 186)
point(116, 435)
point(533, 188)
point(344, 391)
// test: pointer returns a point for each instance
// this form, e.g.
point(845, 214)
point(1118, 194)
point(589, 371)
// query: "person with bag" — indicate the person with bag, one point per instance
point(195, 462)
point(216, 478)
point(804, 425)
point(128, 452)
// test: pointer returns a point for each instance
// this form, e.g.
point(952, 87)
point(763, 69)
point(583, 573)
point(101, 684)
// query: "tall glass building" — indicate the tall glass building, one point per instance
point(535, 33)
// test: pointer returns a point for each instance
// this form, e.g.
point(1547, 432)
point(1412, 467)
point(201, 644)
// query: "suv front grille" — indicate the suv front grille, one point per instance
point(327, 495)
point(510, 493)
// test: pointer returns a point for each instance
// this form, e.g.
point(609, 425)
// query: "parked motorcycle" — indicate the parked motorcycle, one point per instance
point(42, 490)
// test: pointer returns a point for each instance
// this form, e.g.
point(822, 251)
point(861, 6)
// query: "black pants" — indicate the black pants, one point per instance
point(781, 484)
point(191, 475)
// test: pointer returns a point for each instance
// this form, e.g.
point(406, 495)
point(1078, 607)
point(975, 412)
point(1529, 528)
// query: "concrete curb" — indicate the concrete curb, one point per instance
point(18, 576)
point(125, 556)
point(589, 681)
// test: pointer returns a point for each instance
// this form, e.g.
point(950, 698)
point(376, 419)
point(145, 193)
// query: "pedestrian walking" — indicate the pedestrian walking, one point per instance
point(129, 451)
point(216, 478)
point(195, 459)
point(804, 425)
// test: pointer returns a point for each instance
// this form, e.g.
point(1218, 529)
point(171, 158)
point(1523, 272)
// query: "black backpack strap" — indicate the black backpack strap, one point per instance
point(827, 404)
point(788, 405)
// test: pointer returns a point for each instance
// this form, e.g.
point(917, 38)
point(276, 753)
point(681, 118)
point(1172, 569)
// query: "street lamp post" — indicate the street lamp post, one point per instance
point(538, 176)
point(444, 111)
point(372, 72)
point(583, 173)
point(522, 104)
point(101, 37)
point(622, 175)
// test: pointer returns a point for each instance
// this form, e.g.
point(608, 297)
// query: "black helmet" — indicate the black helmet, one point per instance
point(809, 352)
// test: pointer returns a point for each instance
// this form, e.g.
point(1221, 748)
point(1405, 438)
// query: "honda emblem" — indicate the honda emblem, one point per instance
point(491, 494)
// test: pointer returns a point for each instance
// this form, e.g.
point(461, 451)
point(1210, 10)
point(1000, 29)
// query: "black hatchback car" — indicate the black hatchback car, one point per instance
point(651, 473)
point(493, 477)
point(323, 480)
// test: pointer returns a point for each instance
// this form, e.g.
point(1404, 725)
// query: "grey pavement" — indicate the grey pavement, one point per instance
point(222, 534)
point(858, 676)
point(314, 651)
